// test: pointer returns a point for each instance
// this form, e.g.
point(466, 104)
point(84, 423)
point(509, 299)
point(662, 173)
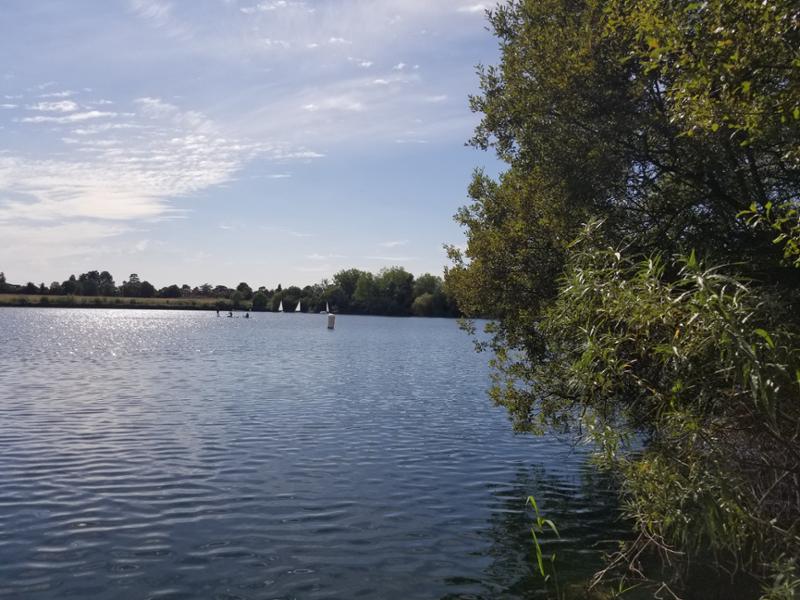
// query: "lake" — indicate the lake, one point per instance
point(167, 454)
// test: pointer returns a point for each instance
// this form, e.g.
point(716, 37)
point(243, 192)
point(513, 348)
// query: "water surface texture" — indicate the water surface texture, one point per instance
point(165, 454)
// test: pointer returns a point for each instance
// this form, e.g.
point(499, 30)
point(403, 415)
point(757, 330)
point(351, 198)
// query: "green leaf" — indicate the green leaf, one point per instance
point(532, 502)
point(551, 525)
point(692, 262)
point(767, 338)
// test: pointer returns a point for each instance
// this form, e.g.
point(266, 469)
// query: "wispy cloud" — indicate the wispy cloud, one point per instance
point(121, 178)
point(393, 244)
point(72, 118)
point(61, 94)
point(473, 8)
point(59, 106)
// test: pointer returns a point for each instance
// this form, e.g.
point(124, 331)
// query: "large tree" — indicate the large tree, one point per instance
point(671, 128)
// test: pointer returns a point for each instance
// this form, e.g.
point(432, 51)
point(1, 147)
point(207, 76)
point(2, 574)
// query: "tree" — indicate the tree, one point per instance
point(347, 280)
point(70, 286)
point(132, 287)
point(106, 285)
point(236, 299)
point(423, 305)
point(659, 124)
point(259, 301)
point(427, 284)
point(395, 286)
point(30, 288)
point(89, 283)
point(172, 291)
point(56, 289)
point(147, 290)
point(3, 284)
point(366, 296)
point(222, 291)
point(245, 290)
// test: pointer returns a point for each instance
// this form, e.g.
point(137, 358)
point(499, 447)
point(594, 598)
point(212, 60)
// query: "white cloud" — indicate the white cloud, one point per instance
point(271, 6)
point(104, 127)
point(61, 94)
point(337, 103)
point(8, 106)
point(121, 179)
point(300, 154)
point(473, 8)
point(161, 14)
point(361, 62)
point(73, 118)
point(269, 43)
point(393, 244)
point(154, 10)
point(62, 106)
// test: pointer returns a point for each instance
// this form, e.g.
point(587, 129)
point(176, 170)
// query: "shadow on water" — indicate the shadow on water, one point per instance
point(585, 510)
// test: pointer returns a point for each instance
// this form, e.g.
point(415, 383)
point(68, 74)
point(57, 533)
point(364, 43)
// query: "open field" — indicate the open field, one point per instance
point(118, 302)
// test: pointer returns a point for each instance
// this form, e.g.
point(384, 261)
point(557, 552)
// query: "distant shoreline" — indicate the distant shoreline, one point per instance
point(190, 304)
point(47, 301)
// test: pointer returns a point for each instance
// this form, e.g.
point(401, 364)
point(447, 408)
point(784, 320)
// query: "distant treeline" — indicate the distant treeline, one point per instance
point(392, 291)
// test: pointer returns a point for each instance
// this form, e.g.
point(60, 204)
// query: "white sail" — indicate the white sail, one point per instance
point(298, 307)
point(280, 306)
point(327, 310)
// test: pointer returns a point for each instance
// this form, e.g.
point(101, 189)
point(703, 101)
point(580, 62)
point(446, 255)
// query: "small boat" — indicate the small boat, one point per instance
point(280, 306)
point(298, 309)
point(326, 311)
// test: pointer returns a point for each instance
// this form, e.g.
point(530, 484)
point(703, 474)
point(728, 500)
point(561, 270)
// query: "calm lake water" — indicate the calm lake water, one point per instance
point(166, 454)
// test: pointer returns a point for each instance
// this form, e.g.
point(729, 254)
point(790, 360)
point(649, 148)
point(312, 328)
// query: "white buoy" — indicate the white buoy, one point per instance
point(331, 320)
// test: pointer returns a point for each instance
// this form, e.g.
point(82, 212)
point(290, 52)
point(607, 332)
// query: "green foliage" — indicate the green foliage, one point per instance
point(728, 65)
point(705, 368)
point(675, 125)
point(549, 571)
point(237, 298)
point(784, 220)
point(147, 290)
point(259, 301)
point(245, 290)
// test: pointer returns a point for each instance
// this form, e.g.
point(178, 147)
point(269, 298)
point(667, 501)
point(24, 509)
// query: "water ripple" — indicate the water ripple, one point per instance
point(150, 454)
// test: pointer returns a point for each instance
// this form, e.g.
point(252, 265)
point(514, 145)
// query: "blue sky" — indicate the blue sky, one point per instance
point(219, 141)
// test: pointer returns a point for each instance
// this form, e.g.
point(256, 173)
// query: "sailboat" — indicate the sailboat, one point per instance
point(297, 309)
point(326, 311)
point(280, 306)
